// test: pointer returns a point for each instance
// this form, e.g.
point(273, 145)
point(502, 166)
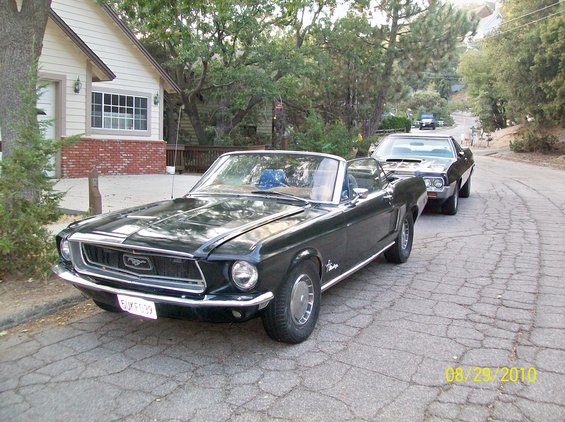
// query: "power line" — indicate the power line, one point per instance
point(531, 13)
point(527, 23)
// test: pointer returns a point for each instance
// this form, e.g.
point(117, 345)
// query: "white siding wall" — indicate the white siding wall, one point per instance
point(61, 60)
point(134, 74)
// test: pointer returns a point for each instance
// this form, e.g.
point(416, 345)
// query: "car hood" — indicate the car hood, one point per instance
point(413, 165)
point(194, 225)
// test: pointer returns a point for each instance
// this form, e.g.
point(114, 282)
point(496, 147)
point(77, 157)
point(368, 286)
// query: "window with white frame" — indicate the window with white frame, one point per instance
point(119, 112)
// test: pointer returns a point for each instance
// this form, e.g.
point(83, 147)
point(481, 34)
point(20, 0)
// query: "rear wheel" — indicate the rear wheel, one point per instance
point(400, 251)
point(451, 206)
point(291, 316)
point(465, 191)
point(107, 307)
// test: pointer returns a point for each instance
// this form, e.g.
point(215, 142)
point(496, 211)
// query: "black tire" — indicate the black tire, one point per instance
point(421, 127)
point(400, 251)
point(292, 315)
point(465, 191)
point(451, 206)
point(433, 127)
point(107, 307)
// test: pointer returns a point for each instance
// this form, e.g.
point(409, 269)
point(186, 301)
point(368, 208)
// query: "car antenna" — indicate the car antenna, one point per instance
point(181, 108)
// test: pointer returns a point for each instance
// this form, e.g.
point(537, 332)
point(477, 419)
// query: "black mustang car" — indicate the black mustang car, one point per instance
point(445, 166)
point(262, 233)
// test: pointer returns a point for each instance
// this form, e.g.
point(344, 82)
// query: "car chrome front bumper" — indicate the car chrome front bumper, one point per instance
point(206, 301)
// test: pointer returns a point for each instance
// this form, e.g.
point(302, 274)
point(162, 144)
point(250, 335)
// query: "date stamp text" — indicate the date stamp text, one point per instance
point(486, 375)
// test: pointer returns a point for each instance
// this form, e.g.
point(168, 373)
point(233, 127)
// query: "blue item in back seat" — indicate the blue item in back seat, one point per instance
point(271, 179)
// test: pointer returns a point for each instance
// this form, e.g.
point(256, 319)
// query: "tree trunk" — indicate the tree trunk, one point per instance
point(21, 41)
point(385, 83)
point(191, 110)
point(171, 109)
point(223, 126)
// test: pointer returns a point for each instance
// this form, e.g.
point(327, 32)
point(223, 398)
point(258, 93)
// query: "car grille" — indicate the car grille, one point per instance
point(149, 268)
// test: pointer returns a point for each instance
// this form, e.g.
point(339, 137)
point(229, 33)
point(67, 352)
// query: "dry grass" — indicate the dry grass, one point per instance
point(501, 142)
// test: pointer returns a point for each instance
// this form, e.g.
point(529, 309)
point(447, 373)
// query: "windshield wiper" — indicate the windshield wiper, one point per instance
point(281, 194)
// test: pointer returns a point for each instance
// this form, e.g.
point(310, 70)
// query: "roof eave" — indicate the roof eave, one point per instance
point(103, 73)
point(169, 82)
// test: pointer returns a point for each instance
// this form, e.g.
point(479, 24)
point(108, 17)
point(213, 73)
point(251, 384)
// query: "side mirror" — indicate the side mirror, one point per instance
point(361, 193)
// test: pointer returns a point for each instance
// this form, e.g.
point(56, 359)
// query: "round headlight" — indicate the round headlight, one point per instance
point(244, 275)
point(66, 250)
point(438, 183)
point(428, 182)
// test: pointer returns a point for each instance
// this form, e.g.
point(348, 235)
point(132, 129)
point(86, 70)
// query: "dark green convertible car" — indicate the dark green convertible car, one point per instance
point(262, 233)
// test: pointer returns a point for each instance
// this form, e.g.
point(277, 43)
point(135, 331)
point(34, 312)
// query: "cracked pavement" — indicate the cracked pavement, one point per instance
point(484, 288)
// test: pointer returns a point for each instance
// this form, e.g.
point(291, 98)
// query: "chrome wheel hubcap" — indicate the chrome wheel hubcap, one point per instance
point(302, 299)
point(404, 234)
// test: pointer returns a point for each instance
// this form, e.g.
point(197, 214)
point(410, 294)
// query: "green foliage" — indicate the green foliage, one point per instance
point(520, 70)
point(27, 200)
point(458, 104)
point(317, 136)
point(396, 122)
point(532, 142)
point(476, 70)
point(242, 53)
point(362, 145)
point(428, 102)
point(549, 68)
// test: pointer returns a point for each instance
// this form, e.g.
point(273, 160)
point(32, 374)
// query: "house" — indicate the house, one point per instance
point(102, 84)
point(490, 20)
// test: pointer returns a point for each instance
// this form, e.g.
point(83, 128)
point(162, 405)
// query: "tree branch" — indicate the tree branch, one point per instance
point(200, 84)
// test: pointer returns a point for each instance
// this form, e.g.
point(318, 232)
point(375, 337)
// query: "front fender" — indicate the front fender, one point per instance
point(309, 253)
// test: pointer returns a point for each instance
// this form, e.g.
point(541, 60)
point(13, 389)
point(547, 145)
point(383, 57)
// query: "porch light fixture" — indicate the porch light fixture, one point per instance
point(156, 99)
point(77, 86)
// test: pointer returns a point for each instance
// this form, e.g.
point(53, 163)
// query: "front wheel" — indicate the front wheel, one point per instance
point(400, 251)
point(451, 206)
point(292, 315)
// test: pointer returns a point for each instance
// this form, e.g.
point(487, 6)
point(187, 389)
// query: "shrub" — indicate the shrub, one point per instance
point(396, 122)
point(27, 201)
point(331, 138)
point(531, 142)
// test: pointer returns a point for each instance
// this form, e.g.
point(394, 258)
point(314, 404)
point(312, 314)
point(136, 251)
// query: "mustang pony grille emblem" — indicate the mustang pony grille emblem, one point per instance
point(142, 263)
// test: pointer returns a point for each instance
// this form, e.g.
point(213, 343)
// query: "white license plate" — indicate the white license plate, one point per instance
point(137, 306)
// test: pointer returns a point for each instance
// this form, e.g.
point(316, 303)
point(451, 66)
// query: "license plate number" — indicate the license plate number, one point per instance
point(137, 306)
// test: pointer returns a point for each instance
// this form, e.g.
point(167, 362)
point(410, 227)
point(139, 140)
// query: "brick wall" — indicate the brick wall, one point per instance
point(111, 156)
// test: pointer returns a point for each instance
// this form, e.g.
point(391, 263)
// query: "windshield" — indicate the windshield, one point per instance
point(311, 177)
point(414, 147)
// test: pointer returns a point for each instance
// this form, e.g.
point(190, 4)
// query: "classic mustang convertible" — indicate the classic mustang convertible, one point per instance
point(262, 233)
point(445, 166)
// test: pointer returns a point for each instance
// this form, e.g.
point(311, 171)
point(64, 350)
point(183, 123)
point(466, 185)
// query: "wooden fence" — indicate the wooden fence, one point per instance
point(197, 158)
